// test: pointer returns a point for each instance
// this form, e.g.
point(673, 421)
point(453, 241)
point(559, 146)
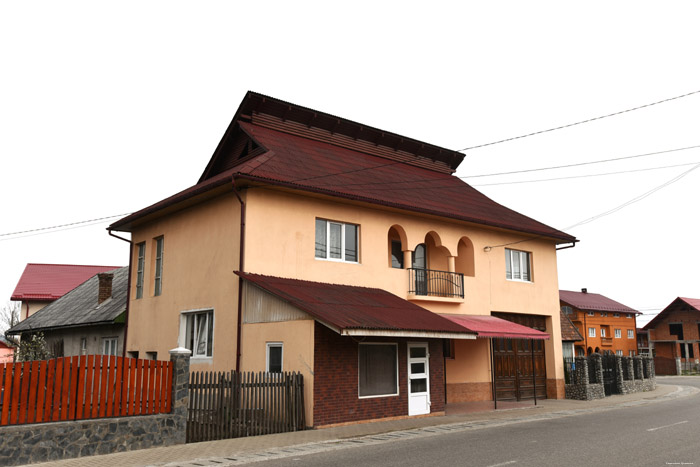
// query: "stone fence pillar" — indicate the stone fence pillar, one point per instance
point(181, 376)
point(581, 371)
point(598, 362)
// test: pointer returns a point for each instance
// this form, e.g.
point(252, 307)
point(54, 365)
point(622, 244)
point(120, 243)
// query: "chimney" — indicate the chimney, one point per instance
point(105, 288)
point(584, 290)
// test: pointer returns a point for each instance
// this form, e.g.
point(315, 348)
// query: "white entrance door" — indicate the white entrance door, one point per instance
point(418, 379)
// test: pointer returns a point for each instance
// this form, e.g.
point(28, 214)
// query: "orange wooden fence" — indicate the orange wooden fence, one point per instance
point(88, 386)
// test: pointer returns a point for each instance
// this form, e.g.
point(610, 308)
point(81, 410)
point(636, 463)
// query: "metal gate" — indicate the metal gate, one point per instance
point(609, 383)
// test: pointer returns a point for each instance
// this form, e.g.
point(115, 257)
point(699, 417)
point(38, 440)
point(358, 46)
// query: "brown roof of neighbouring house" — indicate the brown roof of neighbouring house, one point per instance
point(569, 332)
point(302, 160)
point(593, 302)
point(351, 310)
point(693, 303)
point(47, 282)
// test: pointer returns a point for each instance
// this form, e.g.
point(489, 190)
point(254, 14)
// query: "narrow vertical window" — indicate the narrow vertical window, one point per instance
point(274, 357)
point(159, 267)
point(141, 259)
point(320, 238)
point(396, 254)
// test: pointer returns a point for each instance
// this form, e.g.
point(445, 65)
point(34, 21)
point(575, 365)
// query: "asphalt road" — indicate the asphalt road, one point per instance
point(659, 434)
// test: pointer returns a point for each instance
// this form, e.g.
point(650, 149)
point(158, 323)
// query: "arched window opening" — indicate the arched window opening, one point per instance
point(395, 249)
point(464, 262)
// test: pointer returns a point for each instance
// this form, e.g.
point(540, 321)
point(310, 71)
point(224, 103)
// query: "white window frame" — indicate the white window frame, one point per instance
point(140, 264)
point(603, 314)
point(602, 332)
point(630, 334)
point(342, 241)
point(398, 390)
point(108, 344)
point(629, 315)
point(269, 345)
point(618, 333)
point(619, 353)
point(631, 353)
point(616, 315)
point(158, 276)
point(591, 332)
point(522, 258)
point(183, 338)
point(591, 313)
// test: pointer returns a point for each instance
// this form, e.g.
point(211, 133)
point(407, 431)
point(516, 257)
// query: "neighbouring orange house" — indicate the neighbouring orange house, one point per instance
point(41, 284)
point(674, 334)
point(607, 326)
point(353, 255)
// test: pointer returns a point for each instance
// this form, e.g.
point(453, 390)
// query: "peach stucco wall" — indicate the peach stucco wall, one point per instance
point(201, 253)
point(297, 352)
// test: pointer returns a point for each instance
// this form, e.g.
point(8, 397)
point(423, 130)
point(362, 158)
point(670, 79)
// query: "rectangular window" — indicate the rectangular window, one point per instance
point(567, 310)
point(629, 315)
point(676, 329)
point(396, 254)
point(603, 314)
point(151, 355)
point(616, 315)
point(199, 333)
point(630, 334)
point(631, 353)
point(141, 259)
point(618, 333)
point(83, 346)
point(591, 332)
point(378, 370)
point(518, 265)
point(337, 241)
point(619, 353)
point(159, 267)
point(590, 313)
point(602, 332)
point(274, 357)
point(109, 346)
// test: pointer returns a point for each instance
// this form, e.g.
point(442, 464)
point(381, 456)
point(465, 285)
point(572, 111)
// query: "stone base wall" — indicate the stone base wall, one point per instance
point(585, 392)
point(44, 442)
point(469, 392)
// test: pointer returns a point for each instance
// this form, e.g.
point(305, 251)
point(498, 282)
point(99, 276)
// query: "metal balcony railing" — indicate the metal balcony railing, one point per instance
point(435, 283)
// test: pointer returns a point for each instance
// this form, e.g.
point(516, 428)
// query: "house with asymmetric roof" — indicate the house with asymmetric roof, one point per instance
point(355, 256)
point(607, 326)
point(41, 284)
point(87, 320)
point(674, 337)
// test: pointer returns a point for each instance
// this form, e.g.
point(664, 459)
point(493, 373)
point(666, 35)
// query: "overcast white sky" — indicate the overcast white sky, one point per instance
point(106, 108)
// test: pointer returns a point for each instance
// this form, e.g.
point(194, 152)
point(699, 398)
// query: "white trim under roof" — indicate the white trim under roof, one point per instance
point(402, 333)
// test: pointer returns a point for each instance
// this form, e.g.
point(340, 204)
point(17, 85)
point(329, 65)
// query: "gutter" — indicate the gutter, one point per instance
point(128, 289)
point(241, 264)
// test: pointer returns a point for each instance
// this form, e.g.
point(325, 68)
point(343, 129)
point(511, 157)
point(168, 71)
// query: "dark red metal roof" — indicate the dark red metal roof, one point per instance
point(346, 307)
point(47, 282)
point(678, 302)
point(569, 332)
point(320, 167)
point(593, 302)
point(490, 326)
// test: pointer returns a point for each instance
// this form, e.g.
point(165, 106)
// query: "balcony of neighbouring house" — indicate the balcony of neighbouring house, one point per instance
point(429, 284)
point(607, 341)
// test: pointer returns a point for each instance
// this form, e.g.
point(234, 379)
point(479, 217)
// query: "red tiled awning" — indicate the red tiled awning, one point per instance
point(490, 326)
point(360, 311)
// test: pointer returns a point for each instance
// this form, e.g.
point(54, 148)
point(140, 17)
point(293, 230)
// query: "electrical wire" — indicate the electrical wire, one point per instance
point(579, 123)
point(54, 227)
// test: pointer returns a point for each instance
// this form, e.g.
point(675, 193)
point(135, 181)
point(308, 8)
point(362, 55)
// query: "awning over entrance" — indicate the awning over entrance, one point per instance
point(360, 311)
point(490, 326)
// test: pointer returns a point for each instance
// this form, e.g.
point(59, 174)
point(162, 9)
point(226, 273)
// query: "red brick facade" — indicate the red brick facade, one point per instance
point(336, 380)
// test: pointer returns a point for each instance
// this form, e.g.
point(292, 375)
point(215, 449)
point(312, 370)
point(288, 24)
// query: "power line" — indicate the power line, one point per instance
point(581, 122)
point(62, 225)
point(635, 199)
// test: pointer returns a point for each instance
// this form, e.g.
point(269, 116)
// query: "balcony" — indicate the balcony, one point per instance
point(431, 283)
point(606, 341)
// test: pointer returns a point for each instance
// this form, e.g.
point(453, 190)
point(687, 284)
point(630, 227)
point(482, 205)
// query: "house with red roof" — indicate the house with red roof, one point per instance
point(41, 284)
point(355, 256)
point(606, 326)
point(674, 337)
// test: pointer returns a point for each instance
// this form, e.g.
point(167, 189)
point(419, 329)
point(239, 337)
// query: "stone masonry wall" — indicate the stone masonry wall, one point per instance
point(640, 370)
point(42, 442)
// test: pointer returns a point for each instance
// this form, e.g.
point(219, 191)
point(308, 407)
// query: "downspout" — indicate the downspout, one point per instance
point(128, 289)
point(241, 265)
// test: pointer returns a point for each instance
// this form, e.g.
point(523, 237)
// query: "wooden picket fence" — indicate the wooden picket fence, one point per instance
point(82, 387)
point(237, 404)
